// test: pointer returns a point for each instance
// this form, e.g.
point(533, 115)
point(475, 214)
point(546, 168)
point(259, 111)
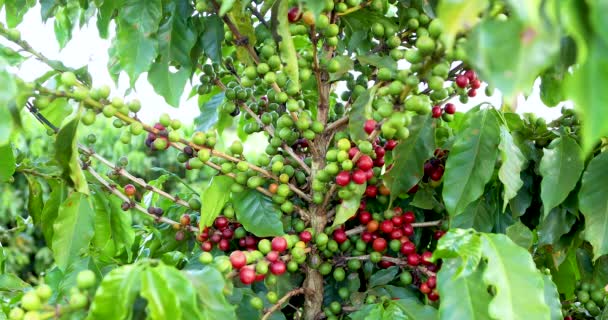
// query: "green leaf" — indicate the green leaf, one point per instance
point(583, 87)
point(15, 10)
point(226, 6)
point(458, 15)
point(564, 275)
point(510, 55)
point(472, 298)
point(551, 91)
point(73, 229)
point(348, 208)
point(513, 163)
point(346, 64)
point(257, 213)
point(12, 282)
point(471, 161)
point(478, 215)
point(368, 311)
point(187, 297)
point(287, 48)
point(209, 284)
point(213, 37)
point(34, 202)
point(209, 110)
point(7, 162)
point(143, 15)
point(377, 61)
point(411, 309)
point(115, 297)
point(462, 243)
point(63, 26)
point(519, 286)
point(410, 155)
point(552, 298)
point(557, 223)
point(51, 208)
point(8, 91)
point(168, 84)
point(66, 154)
point(383, 276)
point(593, 204)
point(57, 111)
point(360, 111)
point(245, 26)
point(315, 6)
point(521, 235)
point(560, 167)
point(136, 51)
point(162, 300)
point(10, 57)
point(213, 199)
point(113, 231)
point(424, 198)
point(104, 16)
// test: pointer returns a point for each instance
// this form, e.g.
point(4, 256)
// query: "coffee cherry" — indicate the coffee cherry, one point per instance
point(238, 259)
point(16, 314)
point(408, 230)
point(408, 248)
point(340, 236)
point(462, 81)
point(343, 178)
point(413, 259)
point(130, 190)
point(427, 258)
point(180, 235)
point(339, 274)
point(365, 163)
point(279, 244)
point(305, 236)
point(78, 300)
point(406, 278)
point(247, 275)
point(294, 14)
point(436, 112)
point(379, 245)
point(365, 217)
point(432, 282)
point(433, 296)
point(68, 79)
point(370, 126)
point(359, 176)
point(221, 222)
point(277, 267)
point(470, 74)
point(30, 301)
point(471, 93)
point(449, 108)
point(390, 145)
point(386, 226)
point(424, 287)
point(85, 279)
point(409, 217)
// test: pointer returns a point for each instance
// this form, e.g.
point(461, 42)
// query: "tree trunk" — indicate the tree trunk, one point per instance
point(313, 284)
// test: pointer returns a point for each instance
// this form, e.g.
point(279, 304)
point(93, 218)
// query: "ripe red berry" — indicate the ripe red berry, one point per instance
point(397, 220)
point(396, 234)
point(366, 236)
point(206, 246)
point(227, 233)
point(352, 152)
point(413, 259)
point(272, 256)
point(247, 275)
point(359, 176)
point(424, 288)
point(449, 108)
point(470, 74)
point(293, 15)
point(408, 248)
point(221, 222)
point(279, 244)
point(434, 296)
point(365, 163)
point(343, 178)
point(380, 152)
point(426, 258)
point(371, 191)
point(224, 245)
point(130, 190)
point(259, 277)
point(472, 93)
point(432, 282)
point(409, 217)
point(475, 84)
point(340, 236)
point(408, 230)
point(277, 268)
point(379, 162)
point(159, 127)
point(305, 236)
point(216, 237)
point(386, 226)
point(365, 217)
point(398, 210)
point(436, 112)
point(179, 235)
point(390, 145)
point(238, 259)
point(413, 189)
point(369, 126)
point(379, 244)
point(462, 81)
point(428, 168)
point(437, 173)
point(250, 242)
point(438, 234)
point(385, 264)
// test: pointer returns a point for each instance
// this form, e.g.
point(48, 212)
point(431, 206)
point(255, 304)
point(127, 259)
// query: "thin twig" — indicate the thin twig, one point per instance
point(281, 301)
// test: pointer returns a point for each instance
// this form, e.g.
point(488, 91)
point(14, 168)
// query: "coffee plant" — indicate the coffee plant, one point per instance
point(330, 173)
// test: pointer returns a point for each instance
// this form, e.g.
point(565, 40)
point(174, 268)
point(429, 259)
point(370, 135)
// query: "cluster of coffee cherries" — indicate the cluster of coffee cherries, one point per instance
point(34, 304)
point(435, 167)
point(591, 299)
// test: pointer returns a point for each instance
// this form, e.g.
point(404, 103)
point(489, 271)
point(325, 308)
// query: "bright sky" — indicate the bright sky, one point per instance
point(87, 48)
